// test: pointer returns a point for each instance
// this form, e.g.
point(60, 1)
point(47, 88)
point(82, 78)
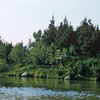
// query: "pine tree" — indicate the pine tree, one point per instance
point(50, 33)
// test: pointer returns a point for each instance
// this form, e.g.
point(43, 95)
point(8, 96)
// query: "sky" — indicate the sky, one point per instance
point(20, 18)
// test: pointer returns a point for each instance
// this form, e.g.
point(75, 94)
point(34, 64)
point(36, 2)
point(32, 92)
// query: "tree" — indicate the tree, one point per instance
point(95, 48)
point(87, 38)
point(2, 49)
point(39, 53)
point(30, 44)
point(17, 54)
point(65, 35)
point(8, 48)
point(42, 54)
point(37, 36)
point(50, 33)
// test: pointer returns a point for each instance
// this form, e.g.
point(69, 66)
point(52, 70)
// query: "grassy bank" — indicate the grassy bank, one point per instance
point(36, 71)
point(78, 68)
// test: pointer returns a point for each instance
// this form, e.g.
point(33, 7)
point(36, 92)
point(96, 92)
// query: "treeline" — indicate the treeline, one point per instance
point(81, 45)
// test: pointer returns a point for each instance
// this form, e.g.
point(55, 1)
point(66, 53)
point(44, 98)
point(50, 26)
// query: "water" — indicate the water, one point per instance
point(12, 88)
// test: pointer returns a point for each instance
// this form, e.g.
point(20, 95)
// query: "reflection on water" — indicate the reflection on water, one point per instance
point(47, 89)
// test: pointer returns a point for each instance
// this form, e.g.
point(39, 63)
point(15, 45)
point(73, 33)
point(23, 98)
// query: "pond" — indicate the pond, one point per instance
point(14, 88)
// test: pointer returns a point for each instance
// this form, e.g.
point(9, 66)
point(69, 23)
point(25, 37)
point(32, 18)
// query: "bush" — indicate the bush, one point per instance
point(83, 67)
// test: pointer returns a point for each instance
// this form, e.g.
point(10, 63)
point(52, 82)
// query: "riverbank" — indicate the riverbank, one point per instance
point(77, 68)
point(51, 72)
point(44, 71)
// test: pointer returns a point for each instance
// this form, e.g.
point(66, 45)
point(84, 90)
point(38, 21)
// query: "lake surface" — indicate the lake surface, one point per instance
point(12, 88)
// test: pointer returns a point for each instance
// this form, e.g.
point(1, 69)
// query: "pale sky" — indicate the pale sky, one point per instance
point(20, 18)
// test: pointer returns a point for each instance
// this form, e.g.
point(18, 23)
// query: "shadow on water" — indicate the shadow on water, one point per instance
point(14, 88)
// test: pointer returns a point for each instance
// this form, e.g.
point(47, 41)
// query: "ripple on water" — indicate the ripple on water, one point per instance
point(23, 93)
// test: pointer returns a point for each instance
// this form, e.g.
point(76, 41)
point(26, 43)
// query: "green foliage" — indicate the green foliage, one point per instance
point(39, 53)
point(50, 34)
point(3, 66)
point(72, 50)
point(17, 54)
point(88, 36)
point(8, 48)
point(37, 36)
point(83, 68)
point(65, 36)
point(78, 50)
point(42, 54)
point(2, 49)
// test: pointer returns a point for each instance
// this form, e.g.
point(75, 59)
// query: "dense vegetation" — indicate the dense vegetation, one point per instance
point(40, 58)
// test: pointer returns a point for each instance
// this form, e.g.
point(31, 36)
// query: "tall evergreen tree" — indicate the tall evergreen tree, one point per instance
point(86, 36)
point(37, 35)
point(50, 33)
point(65, 35)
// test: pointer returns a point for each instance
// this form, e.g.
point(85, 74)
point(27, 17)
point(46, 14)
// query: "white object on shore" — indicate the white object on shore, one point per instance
point(24, 74)
point(67, 78)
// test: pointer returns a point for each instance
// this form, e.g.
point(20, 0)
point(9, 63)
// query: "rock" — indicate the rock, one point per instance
point(67, 78)
point(24, 74)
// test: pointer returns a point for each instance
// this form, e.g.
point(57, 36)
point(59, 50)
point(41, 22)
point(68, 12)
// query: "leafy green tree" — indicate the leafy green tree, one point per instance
point(17, 54)
point(39, 53)
point(52, 54)
point(42, 54)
